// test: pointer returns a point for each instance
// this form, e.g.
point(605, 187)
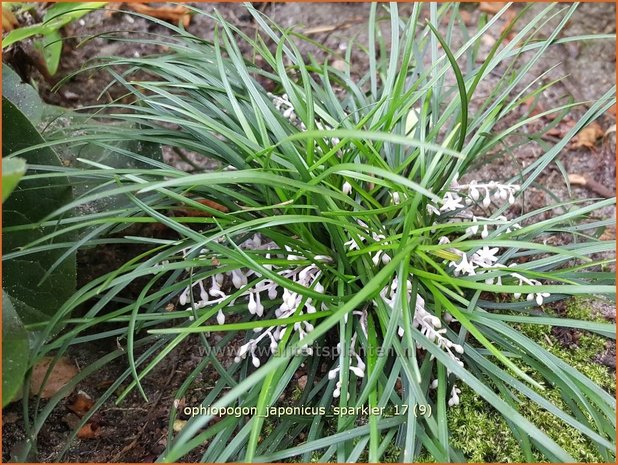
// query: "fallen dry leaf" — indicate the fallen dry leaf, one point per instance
point(9, 21)
point(533, 106)
point(491, 7)
point(80, 403)
point(588, 136)
point(173, 14)
point(178, 425)
point(61, 373)
point(209, 203)
point(590, 184)
point(561, 129)
point(89, 431)
point(466, 17)
point(609, 234)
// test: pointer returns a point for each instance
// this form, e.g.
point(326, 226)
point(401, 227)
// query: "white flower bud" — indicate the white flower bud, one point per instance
point(238, 279)
point(347, 188)
point(255, 361)
point(252, 306)
point(459, 349)
point(220, 317)
point(357, 371)
point(184, 296)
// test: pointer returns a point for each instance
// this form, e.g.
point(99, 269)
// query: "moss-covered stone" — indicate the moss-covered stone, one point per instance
point(483, 435)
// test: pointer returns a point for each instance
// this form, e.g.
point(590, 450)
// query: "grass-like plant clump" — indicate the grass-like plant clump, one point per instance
point(341, 232)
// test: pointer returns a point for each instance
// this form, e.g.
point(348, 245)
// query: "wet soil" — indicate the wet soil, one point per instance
point(137, 431)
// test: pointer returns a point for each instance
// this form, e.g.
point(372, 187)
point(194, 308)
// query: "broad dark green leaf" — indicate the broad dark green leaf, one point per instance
point(34, 301)
point(12, 171)
point(14, 350)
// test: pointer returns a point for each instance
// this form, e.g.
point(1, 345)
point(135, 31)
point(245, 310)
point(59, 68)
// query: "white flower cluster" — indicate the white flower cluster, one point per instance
point(211, 292)
point(380, 256)
point(486, 258)
point(460, 196)
point(358, 369)
point(454, 399)
point(482, 261)
point(429, 325)
point(455, 391)
point(282, 103)
point(306, 277)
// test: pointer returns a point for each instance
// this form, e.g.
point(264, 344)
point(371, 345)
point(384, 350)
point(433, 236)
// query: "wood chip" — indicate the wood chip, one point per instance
point(331, 27)
point(590, 184)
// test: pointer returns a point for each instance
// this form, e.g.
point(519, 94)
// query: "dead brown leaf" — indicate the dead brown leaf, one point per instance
point(89, 431)
point(9, 21)
point(466, 17)
point(61, 373)
point(609, 234)
point(532, 106)
point(588, 136)
point(209, 203)
point(561, 129)
point(173, 14)
point(80, 403)
point(491, 7)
